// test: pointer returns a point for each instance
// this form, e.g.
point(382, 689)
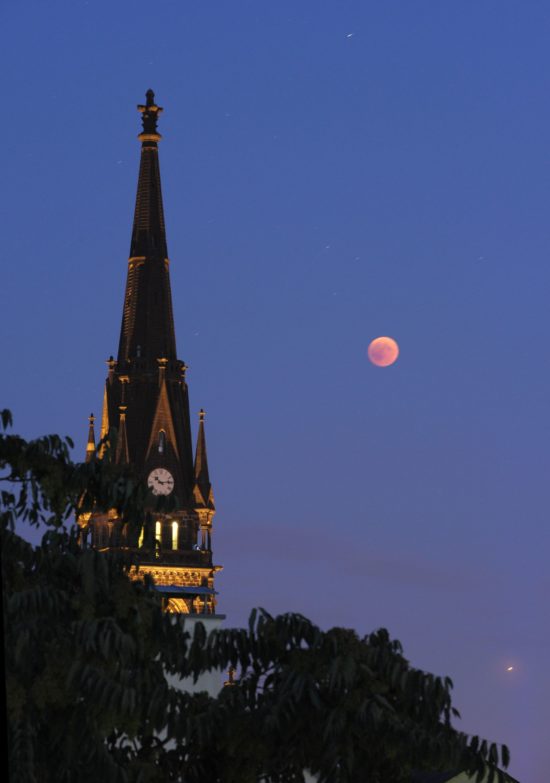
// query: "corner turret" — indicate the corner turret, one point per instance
point(90, 446)
point(202, 490)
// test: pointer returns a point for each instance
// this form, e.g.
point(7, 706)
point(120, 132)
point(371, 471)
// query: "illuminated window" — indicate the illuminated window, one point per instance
point(158, 532)
point(140, 539)
point(174, 535)
point(162, 441)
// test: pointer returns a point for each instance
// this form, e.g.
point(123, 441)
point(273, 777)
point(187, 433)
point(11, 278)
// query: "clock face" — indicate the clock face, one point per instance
point(160, 481)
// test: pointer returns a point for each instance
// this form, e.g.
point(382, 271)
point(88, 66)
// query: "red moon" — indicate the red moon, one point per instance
point(383, 351)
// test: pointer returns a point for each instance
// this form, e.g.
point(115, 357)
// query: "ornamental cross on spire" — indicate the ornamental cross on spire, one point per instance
point(150, 113)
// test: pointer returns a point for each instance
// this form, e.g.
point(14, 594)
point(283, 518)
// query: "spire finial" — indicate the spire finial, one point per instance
point(202, 414)
point(150, 114)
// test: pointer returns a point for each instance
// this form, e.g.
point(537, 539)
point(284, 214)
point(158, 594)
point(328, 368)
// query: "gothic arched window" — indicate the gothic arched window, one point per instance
point(162, 441)
point(158, 537)
point(174, 535)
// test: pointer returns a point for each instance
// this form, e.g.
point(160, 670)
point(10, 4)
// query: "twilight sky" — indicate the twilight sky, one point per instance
point(332, 171)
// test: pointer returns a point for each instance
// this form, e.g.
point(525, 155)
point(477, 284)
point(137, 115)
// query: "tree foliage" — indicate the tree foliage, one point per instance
point(93, 665)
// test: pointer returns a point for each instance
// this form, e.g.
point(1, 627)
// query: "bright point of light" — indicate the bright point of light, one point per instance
point(509, 668)
point(350, 35)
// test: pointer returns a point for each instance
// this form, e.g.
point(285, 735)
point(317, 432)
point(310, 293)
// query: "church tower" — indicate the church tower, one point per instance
point(146, 401)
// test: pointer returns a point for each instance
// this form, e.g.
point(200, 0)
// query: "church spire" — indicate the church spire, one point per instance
point(203, 488)
point(148, 232)
point(146, 403)
point(147, 330)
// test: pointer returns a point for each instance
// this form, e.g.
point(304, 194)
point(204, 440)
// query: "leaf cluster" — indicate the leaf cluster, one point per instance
point(96, 671)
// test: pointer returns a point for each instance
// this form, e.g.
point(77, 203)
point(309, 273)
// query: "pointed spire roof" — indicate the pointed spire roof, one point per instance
point(148, 232)
point(147, 330)
point(202, 490)
point(90, 446)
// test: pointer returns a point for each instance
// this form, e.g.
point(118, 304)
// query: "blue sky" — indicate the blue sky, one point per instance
point(332, 171)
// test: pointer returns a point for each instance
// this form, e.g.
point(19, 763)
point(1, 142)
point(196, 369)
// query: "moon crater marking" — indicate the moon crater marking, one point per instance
point(383, 351)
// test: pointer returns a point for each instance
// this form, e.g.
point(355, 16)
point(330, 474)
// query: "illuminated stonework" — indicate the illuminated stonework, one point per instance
point(179, 577)
point(178, 606)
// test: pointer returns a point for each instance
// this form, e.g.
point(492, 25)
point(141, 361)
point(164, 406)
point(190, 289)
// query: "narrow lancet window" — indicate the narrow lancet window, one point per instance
point(158, 532)
point(162, 441)
point(174, 535)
